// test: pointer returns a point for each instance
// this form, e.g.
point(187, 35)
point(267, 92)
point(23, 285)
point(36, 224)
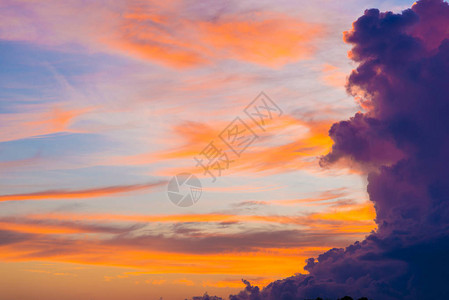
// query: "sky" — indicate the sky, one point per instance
point(103, 102)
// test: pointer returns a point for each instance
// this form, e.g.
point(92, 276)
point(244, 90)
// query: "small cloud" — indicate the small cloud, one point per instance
point(184, 281)
point(156, 281)
point(333, 76)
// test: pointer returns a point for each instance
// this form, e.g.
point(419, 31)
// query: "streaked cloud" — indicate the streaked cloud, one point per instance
point(80, 194)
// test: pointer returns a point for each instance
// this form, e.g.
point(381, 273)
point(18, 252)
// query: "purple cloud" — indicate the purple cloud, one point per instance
point(403, 140)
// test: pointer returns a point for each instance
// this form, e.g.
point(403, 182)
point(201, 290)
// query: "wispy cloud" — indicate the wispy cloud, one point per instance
point(164, 33)
point(80, 194)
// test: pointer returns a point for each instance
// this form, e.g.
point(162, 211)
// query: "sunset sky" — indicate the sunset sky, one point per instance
point(103, 102)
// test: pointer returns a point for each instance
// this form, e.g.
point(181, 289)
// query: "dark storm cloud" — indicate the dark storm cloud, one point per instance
point(196, 243)
point(403, 139)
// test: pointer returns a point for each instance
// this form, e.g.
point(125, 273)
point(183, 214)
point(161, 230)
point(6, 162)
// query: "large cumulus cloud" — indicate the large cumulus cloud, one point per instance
point(402, 139)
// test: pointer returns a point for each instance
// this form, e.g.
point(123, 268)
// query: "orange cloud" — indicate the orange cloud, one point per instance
point(156, 281)
point(323, 198)
point(333, 76)
point(342, 219)
point(270, 263)
point(268, 153)
point(151, 40)
point(57, 119)
point(265, 38)
point(163, 32)
point(79, 194)
point(39, 120)
point(184, 281)
point(45, 237)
